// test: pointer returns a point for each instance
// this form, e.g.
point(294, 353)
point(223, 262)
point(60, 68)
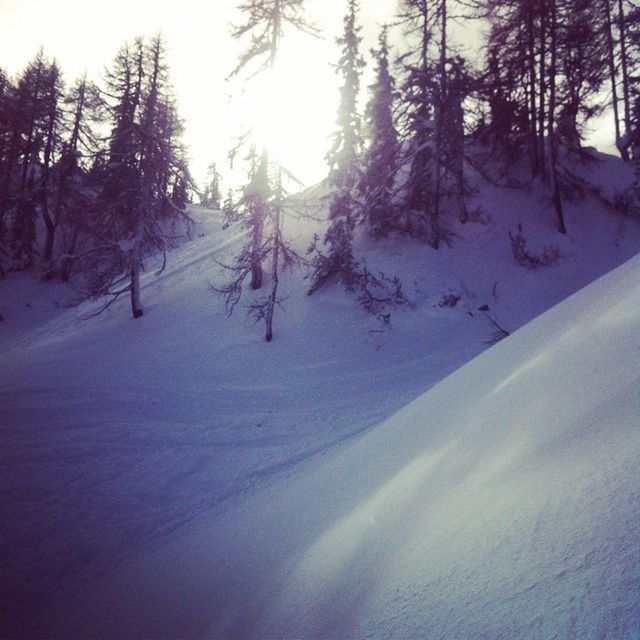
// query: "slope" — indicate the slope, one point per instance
point(503, 503)
point(118, 436)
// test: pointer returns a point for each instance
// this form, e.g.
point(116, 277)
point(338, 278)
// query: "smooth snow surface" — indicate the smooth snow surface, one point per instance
point(503, 503)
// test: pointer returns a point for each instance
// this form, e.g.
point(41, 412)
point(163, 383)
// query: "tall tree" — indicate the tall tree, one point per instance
point(380, 161)
point(144, 161)
point(344, 162)
point(51, 134)
point(419, 206)
point(32, 148)
point(264, 25)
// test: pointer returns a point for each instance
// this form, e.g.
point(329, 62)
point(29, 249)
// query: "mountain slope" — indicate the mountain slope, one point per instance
point(121, 436)
point(503, 503)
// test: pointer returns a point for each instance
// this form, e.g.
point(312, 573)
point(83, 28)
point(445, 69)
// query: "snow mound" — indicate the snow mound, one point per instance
point(503, 503)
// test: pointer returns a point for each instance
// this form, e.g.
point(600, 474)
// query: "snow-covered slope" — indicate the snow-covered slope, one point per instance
point(503, 503)
point(119, 437)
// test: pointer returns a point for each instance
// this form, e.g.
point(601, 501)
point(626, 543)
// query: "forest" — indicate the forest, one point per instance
point(94, 174)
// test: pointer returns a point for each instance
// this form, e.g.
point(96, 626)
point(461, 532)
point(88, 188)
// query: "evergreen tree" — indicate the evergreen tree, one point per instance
point(381, 157)
point(419, 208)
point(51, 136)
point(74, 185)
point(344, 160)
point(145, 163)
point(265, 21)
point(32, 149)
point(7, 154)
point(212, 196)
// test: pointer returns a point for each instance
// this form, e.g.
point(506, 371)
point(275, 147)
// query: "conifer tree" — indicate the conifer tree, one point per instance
point(344, 161)
point(7, 155)
point(145, 163)
point(212, 196)
point(51, 136)
point(381, 157)
point(265, 21)
point(33, 146)
point(419, 208)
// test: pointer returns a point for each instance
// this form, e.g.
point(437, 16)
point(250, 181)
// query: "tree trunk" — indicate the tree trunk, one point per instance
point(553, 153)
point(136, 309)
point(612, 74)
point(49, 223)
point(67, 262)
point(439, 120)
point(626, 97)
point(271, 304)
point(543, 86)
point(50, 229)
point(256, 251)
point(533, 133)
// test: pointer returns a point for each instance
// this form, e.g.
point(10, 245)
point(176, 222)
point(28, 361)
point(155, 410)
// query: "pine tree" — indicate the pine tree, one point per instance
point(380, 161)
point(344, 160)
point(33, 146)
point(419, 208)
point(51, 134)
point(145, 162)
point(212, 196)
point(74, 189)
point(265, 21)
point(8, 157)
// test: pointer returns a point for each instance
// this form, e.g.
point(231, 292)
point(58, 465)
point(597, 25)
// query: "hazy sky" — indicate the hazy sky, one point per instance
point(298, 113)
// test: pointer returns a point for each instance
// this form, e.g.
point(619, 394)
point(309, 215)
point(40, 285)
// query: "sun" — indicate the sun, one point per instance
point(291, 111)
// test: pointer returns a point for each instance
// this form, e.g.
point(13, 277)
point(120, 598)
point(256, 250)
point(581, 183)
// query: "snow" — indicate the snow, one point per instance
point(174, 476)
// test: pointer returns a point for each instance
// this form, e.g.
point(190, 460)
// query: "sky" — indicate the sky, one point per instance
point(296, 114)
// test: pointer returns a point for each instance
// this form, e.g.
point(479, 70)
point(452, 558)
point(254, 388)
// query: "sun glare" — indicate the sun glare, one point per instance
point(291, 111)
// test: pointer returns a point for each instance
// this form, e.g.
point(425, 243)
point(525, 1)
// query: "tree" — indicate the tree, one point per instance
point(380, 162)
point(51, 134)
point(265, 21)
point(33, 143)
point(212, 196)
point(8, 152)
point(344, 162)
point(145, 162)
point(75, 186)
point(418, 206)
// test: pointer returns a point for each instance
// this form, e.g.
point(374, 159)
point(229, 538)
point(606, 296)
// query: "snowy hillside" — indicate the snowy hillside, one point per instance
point(175, 476)
point(503, 503)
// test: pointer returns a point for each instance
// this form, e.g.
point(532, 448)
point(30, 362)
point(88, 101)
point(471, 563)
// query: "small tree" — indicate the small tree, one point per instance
point(212, 196)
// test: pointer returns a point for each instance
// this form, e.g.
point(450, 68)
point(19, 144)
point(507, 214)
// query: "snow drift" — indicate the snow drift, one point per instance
point(503, 503)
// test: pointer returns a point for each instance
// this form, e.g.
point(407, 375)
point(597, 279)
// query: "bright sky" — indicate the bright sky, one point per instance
point(298, 116)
